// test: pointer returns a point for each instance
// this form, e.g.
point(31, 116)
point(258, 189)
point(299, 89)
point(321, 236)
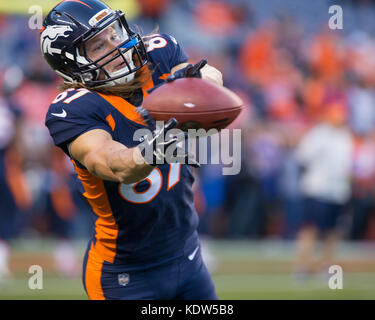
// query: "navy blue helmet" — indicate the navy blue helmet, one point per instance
point(74, 27)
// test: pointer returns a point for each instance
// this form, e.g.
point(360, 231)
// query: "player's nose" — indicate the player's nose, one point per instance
point(113, 53)
point(112, 46)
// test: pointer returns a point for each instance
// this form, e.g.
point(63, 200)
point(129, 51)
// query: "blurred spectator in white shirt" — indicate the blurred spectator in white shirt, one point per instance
point(325, 155)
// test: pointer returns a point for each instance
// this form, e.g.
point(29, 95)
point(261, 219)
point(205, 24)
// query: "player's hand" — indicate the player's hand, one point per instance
point(159, 140)
point(190, 71)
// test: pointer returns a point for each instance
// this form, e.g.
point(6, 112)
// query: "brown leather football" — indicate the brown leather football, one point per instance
point(195, 103)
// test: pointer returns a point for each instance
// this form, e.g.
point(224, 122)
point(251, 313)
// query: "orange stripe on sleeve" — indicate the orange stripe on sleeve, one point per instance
point(105, 226)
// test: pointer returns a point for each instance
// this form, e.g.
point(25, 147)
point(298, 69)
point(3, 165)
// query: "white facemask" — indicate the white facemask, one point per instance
point(125, 79)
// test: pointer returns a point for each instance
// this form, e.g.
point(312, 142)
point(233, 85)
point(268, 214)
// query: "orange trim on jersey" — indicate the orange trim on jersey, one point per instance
point(111, 122)
point(105, 226)
point(93, 274)
point(16, 179)
point(164, 76)
point(124, 107)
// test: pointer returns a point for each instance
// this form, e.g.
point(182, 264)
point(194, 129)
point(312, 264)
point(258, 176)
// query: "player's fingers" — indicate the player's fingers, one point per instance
point(171, 78)
point(180, 136)
point(171, 123)
point(168, 142)
point(182, 73)
point(185, 157)
point(192, 160)
point(149, 120)
point(195, 70)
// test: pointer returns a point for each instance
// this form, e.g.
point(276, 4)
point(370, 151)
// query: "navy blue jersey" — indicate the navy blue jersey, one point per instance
point(141, 224)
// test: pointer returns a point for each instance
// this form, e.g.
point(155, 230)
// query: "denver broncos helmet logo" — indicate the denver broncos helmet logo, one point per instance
point(50, 34)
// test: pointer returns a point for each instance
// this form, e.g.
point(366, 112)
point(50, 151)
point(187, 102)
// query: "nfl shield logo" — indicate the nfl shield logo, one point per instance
point(123, 279)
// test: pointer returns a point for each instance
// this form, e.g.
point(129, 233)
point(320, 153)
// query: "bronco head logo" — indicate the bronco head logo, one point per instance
point(50, 34)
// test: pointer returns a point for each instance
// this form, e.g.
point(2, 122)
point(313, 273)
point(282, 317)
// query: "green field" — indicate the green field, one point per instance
point(243, 270)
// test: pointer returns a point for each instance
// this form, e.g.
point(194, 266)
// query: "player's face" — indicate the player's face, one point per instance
point(106, 41)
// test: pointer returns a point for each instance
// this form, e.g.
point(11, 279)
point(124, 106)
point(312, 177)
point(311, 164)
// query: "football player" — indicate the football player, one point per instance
point(145, 243)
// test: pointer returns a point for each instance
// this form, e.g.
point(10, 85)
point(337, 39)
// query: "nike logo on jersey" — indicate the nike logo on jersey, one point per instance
point(191, 257)
point(60, 115)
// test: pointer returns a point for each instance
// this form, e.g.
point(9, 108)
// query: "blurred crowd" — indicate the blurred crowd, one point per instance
point(308, 129)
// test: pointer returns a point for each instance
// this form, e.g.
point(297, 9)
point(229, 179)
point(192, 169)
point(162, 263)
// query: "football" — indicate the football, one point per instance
point(195, 103)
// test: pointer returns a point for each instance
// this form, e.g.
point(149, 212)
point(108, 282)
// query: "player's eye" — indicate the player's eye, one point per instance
point(98, 47)
point(115, 37)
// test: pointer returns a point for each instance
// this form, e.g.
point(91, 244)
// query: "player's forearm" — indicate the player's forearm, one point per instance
point(108, 159)
point(118, 166)
point(128, 165)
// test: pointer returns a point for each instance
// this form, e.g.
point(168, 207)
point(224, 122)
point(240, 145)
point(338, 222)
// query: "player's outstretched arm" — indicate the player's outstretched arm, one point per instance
point(108, 159)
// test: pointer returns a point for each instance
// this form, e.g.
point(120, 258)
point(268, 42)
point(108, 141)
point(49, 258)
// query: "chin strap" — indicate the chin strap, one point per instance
point(124, 79)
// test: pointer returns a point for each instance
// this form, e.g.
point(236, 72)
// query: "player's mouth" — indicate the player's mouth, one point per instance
point(120, 65)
